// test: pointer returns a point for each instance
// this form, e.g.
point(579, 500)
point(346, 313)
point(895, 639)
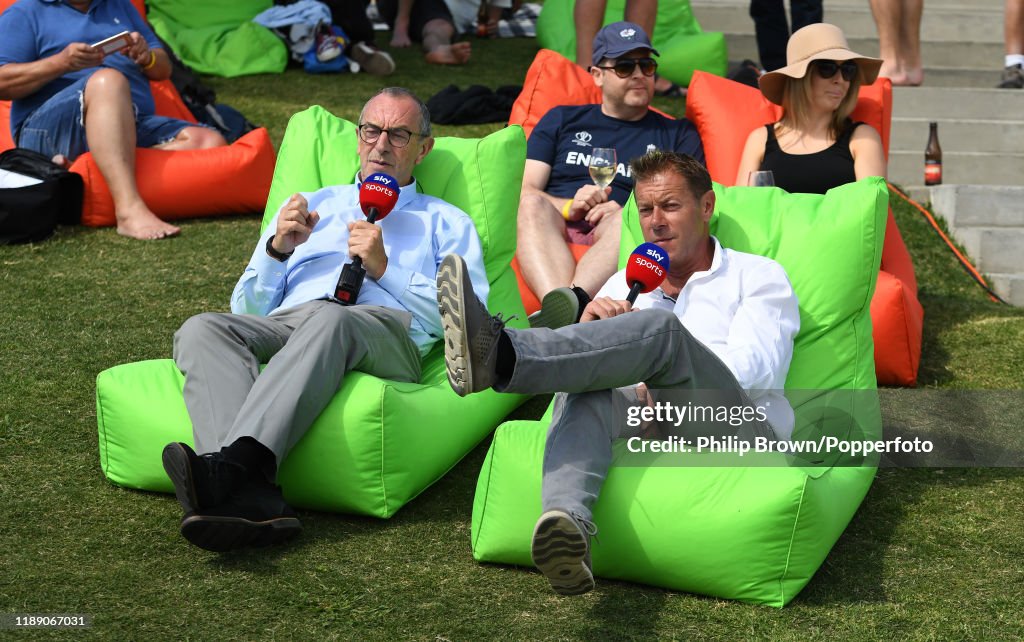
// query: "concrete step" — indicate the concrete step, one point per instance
point(937, 24)
point(974, 205)
point(939, 54)
point(906, 167)
point(960, 135)
point(944, 4)
point(1008, 286)
point(952, 77)
point(957, 104)
point(997, 249)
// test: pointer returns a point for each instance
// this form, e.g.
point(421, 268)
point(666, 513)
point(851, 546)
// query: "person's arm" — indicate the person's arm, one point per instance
point(261, 286)
point(154, 62)
point(400, 37)
point(753, 155)
point(417, 292)
point(867, 152)
point(760, 341)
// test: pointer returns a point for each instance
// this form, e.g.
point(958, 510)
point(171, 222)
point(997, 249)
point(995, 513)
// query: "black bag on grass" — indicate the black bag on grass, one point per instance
point(31, 213)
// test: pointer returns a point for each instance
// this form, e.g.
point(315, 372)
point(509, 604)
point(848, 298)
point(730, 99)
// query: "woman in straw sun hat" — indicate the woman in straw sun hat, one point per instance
point(815, 146)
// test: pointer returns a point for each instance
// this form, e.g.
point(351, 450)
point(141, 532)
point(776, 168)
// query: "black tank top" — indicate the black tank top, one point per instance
point(811, 173)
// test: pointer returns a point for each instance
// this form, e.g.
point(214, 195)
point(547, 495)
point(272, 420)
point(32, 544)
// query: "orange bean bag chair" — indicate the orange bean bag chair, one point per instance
point(551, 80)
point(180, 184)
point(725, 112)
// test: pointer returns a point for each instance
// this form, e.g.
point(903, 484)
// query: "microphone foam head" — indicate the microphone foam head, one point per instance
point(648, 266)
point(379, 191)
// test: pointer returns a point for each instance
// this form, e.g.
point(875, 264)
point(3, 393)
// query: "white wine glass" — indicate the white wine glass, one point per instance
point(764, 178)
point(602, 166)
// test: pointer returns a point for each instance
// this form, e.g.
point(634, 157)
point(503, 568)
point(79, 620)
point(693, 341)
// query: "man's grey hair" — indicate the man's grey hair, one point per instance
point(402, 92)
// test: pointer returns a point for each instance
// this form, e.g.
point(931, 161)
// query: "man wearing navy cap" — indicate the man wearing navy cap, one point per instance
point(559, 201)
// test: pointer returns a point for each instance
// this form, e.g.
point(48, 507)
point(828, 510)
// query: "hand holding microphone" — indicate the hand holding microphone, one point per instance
point(378, 195)
point(646, 269)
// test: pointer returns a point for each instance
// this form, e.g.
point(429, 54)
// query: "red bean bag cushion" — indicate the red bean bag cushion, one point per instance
point(725, 112)
point(189, 183)
point(181, 184)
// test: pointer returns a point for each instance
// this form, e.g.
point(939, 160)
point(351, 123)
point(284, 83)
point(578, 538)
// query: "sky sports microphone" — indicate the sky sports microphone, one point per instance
point(377, 197)
point(646, 268)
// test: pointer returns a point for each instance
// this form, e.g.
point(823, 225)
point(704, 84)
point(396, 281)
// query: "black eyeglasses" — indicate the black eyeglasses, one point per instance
point(624, 67)
point(396, 136)
point(828, 68)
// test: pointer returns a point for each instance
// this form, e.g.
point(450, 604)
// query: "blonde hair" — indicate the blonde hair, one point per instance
point(796, 104)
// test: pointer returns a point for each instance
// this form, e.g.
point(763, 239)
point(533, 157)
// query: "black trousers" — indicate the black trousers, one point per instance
point(772, 30)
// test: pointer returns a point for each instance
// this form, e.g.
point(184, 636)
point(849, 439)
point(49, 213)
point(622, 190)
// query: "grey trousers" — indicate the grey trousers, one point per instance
point(307, 349)
point(585, 363)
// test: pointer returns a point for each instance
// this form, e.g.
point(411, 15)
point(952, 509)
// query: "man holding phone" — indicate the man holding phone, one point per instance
point(69, 97)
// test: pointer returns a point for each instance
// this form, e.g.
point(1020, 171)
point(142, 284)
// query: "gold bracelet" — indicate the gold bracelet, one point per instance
point(566, 208)
point(152, 61)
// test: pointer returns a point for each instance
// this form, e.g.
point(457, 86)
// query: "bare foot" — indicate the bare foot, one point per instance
point(915, 77)
point(144, 225)
point(454, 54)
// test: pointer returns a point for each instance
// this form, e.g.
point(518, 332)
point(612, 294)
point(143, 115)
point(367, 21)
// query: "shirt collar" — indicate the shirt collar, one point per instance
point(716, 264)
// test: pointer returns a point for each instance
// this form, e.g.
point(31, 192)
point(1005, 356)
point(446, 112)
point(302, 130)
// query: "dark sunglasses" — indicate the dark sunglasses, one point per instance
point(828, 68)
point(624, 67)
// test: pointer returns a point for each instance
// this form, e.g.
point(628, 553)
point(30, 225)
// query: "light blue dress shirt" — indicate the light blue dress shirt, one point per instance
point(417, 235)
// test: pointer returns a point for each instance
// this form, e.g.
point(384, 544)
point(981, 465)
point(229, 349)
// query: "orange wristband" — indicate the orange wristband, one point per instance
point(565, 209)
point(152, 61)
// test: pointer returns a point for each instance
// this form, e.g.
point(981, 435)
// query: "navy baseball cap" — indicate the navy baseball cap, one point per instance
point(619, 38)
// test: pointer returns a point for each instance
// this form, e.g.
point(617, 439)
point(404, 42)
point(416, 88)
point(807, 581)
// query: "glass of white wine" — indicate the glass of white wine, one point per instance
point(602, 166)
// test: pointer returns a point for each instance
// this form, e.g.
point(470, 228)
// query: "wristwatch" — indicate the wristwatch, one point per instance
point(274, 254)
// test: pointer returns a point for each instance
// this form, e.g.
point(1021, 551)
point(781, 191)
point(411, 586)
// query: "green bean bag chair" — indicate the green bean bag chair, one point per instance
point(218, 36)
point(378, 443)
point(683, 45)
point(756, 527)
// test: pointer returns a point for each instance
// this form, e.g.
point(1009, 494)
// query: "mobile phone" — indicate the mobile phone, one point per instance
point(113, 44)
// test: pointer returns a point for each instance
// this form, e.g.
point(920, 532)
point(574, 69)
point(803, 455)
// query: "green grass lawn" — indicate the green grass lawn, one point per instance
point(932, 553)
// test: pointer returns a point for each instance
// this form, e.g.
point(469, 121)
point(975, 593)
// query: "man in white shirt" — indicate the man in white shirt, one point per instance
point(286, 313)
point(721, 325)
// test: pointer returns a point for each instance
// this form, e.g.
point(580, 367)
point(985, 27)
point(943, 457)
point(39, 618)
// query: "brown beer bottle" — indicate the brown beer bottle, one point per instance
point(933, 157)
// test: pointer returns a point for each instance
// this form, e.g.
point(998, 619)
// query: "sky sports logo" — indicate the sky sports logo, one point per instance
point(579, 158)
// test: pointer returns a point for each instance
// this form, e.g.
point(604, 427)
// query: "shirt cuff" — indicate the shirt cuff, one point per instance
point(396, 279)
point(269, 271)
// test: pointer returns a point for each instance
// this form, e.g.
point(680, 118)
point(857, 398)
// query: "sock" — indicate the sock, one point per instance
point(583, 298)
point(505, 364)
point(253, 455)
point(1014, 59)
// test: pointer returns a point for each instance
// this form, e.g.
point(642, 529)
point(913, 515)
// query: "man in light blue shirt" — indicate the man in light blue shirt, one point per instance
point(284, 314)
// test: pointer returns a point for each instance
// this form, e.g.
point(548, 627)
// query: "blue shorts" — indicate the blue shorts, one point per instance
point(58, 127)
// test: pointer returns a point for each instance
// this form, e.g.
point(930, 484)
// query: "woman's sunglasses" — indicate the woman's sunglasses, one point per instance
point(624, 67)
point(827, 69)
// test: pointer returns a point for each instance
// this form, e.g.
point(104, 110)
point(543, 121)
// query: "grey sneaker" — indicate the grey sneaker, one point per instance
point(561, 551)
point(1013, 78)
point(559, 308)
point(470, 332)
point(372, 60)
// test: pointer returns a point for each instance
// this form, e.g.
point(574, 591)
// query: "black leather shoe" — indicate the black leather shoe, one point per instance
point(254, 515)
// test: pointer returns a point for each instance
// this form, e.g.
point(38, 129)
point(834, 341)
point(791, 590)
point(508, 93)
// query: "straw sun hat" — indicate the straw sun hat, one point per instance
point(820, 41)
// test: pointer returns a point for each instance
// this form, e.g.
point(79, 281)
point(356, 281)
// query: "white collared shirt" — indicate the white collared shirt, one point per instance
point(744, 310)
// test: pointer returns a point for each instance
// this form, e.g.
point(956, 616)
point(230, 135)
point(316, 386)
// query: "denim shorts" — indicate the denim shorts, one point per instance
point(58, 127)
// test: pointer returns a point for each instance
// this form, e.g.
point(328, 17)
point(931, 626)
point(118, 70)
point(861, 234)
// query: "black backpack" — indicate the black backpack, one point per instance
point(31, 213)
